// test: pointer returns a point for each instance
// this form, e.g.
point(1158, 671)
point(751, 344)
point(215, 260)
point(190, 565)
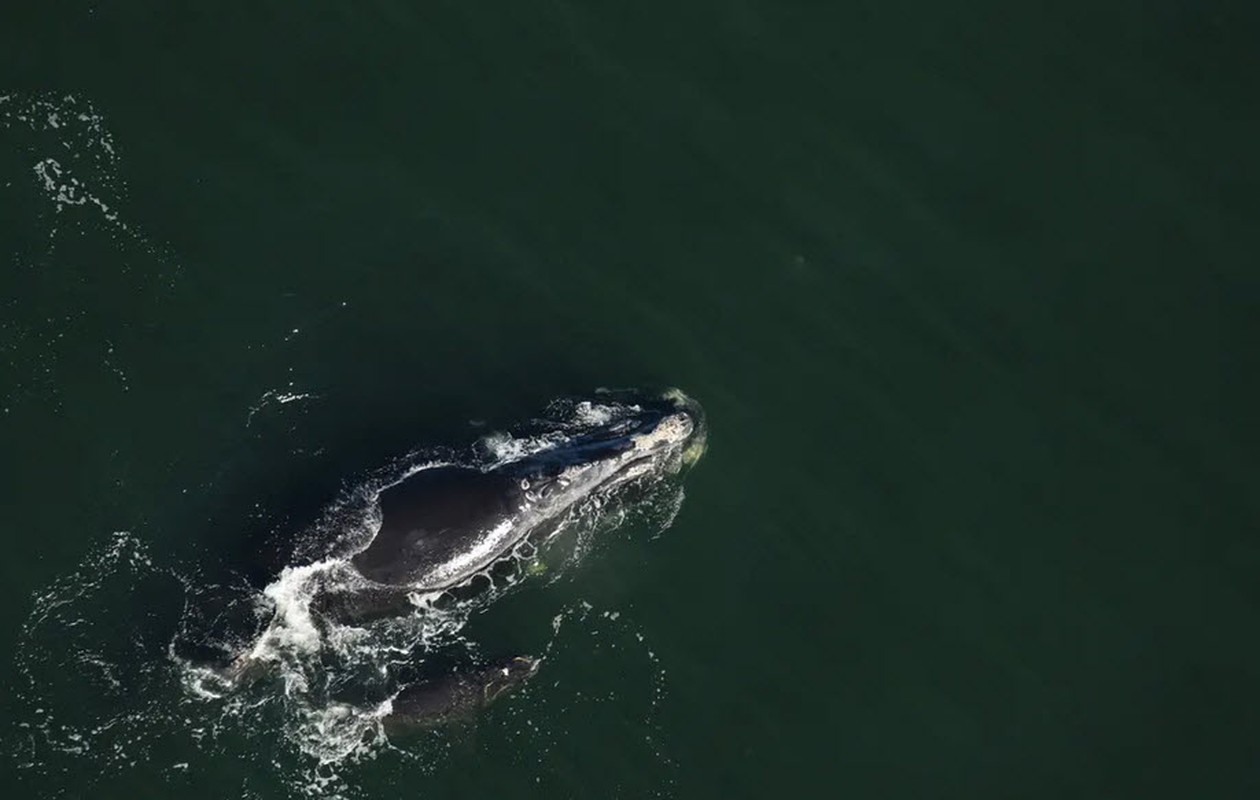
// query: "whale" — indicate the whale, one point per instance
point(443, 526)
point(457, 696)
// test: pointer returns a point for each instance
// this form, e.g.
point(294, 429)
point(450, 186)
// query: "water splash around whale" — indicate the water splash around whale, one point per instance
point(328, 688)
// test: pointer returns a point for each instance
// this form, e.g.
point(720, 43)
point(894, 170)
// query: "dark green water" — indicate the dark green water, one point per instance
point(970, 296)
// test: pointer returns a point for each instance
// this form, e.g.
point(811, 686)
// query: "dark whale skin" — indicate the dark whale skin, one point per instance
point(428, 517)
point(457, 696)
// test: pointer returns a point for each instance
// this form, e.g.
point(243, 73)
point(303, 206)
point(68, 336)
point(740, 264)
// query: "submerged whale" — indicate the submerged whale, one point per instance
point(457, 696)
point(438, 528)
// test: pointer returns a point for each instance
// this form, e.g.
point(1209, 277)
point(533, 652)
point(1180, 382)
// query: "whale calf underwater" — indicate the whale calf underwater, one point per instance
point(425, 542)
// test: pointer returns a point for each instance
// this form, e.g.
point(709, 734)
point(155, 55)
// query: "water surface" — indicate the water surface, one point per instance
point(968, 295)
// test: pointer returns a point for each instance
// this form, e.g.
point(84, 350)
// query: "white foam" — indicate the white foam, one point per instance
point(292, 628)
point(506, 448)
point(77, 163)
point(588, 413)
point(66, 190)
point(277, 396)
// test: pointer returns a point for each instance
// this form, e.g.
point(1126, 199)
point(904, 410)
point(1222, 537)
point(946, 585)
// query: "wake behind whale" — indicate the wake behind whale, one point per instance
point(362, 633)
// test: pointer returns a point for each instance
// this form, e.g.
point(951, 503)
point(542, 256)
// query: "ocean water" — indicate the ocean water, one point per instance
point(969, 295)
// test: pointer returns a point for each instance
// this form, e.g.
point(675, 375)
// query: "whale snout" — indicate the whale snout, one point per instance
point(672, 430)
point(687, 426)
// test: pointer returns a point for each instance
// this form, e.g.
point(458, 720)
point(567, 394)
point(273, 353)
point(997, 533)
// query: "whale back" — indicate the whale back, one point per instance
point(431, 519)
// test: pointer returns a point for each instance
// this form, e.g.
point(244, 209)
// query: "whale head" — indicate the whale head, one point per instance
point(626, 440)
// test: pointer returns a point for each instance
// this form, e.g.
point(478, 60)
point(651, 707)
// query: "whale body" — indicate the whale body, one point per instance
point(440, 526)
